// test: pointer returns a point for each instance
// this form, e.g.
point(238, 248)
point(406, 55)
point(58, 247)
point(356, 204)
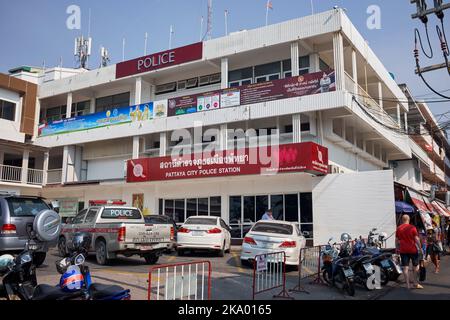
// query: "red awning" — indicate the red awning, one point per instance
point(444, 211)
point(431, 208)
point(418, 201)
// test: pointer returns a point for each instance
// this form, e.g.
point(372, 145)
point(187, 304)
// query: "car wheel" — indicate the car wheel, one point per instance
point(62, 249)
point(180, 252)
point(39, 258)
point(246, 263)
point(100, 253)
point(221, 252)
point(151, 258)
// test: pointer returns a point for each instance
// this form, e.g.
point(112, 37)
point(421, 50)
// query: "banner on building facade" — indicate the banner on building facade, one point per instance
point(307, 84)
point(115, 116)
point(298, 157)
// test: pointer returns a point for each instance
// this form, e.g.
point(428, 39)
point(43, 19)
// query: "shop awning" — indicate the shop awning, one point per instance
point(443, 210)
point(418, 201)
point(403, 207)
point(426, 219)
point(431, 208)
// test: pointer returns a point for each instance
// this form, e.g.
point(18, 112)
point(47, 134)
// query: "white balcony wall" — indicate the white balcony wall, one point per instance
point(106, 169)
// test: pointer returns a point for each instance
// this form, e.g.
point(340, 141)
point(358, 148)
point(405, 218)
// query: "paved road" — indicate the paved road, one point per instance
point(436, 286)
point(231, 281)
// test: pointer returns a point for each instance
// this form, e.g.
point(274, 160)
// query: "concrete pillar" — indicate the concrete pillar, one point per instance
point(69, 105)
point(36, 118)
point(45, 168)
point(92, 105)
point(354, 72)
point(152, 92)
point(399, 116)
point(380, 94)
point(296, 128)
point(2, 159)
point(338, 51)
point(314, 62)
point(224, 73)
point(163, 143)
point(68, 169)
point(223, 139)
point(136, 146)
point(25, 159)
point(138, 91)
point(406, 121)
point(295, 57)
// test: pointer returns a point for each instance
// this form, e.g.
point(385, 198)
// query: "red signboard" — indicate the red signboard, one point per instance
point(298, 157)
point(160, 60)
point(307, 84)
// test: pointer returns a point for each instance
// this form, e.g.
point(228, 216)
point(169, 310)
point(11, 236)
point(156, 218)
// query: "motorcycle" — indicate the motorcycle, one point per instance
point(19, 281)
point(336, 270)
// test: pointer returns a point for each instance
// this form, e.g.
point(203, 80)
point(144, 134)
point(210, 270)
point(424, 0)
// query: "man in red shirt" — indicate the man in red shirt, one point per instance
point(408, 244)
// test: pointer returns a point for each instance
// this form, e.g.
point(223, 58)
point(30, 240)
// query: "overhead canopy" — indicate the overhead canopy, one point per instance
point(418, 201)
point(443, 211)
point(431, 208)
point(403, 207)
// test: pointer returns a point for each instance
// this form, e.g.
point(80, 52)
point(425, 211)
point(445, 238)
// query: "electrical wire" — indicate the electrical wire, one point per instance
point(417, 36)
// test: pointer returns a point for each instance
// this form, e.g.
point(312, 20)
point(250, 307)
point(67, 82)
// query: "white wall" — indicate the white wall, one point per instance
point(10, 130)
point(106, 168)
point(353, 203)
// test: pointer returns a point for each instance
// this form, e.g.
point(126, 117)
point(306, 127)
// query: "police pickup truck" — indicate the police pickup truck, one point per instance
point(117, 230)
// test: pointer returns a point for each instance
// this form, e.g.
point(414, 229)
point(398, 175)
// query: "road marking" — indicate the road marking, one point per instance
point(137, 274)
point(171, 258)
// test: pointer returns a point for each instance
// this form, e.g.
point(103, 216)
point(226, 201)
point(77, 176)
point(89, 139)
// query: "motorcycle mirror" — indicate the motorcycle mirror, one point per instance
point(79, 260)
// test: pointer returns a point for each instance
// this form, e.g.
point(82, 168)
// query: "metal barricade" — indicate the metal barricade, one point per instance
point(181, 281)
point(309, 266)
point(269, 272)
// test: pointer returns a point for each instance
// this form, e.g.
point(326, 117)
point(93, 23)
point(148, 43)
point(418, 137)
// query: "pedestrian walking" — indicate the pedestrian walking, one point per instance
point(408, 244)
point(268, 215)
point(434, 246)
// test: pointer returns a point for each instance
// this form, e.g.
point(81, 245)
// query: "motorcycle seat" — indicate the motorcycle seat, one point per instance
point(101, 291)
point(47, 292)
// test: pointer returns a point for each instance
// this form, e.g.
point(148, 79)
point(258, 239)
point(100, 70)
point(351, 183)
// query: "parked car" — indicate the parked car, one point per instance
point(273, 236)
point(204, 233)
point(166, 220)
point(117, 230)
point(16, 214)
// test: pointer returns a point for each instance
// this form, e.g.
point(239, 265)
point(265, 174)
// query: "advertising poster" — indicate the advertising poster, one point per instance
point(138, 201)
point(182, 105)
point(160, 109)
point(230, 98)
point(68, 207)
point(116, 116)
point(215, 102)
point(200, 104)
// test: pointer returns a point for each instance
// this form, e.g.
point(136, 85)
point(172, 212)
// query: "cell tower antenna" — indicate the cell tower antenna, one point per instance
point(82, 50)
point(210, 23)
point(104, 57)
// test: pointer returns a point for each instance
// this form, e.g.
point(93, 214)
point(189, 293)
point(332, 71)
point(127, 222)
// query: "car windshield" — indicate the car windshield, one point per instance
point(25, 207)
point(202, 221)
point(121, 213)
point(273, 228)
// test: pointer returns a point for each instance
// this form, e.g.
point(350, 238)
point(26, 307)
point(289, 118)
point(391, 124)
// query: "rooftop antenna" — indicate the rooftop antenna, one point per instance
point(312, 6)
point(226, 22)
point(89, 37)
point(201, 28)
point(123, 49)
point(82, 50)
point(145, 43)
point(209, 21)
point(170, 37)
point(104, 57)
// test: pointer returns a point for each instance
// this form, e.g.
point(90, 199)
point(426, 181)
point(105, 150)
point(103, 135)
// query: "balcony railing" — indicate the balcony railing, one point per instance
point(54, 176)
point(10, 173)
point(35, 177)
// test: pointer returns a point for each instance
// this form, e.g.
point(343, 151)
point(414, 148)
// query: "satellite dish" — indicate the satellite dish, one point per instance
point(47, 225)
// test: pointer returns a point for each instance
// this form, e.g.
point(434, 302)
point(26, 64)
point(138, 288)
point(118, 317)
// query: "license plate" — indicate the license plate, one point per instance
point(348, 273)
point(385, 263)
point(197, 233)
point(33, 246)
point(368, 267)
point(145, 248)
point(147, 240)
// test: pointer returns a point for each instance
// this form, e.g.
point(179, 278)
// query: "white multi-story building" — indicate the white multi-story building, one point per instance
point(312, 78)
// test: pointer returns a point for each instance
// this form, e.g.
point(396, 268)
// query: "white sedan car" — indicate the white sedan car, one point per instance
point(270, 236)
point(203, 232)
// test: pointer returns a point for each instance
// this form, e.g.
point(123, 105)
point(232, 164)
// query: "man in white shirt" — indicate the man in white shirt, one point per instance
point(268, 215)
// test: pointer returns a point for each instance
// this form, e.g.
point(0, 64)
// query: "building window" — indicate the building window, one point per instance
point(80, 108)
point(7, 110)
point(111, 102)
point(268, 72)
point(240, 77)
point(303, 64)
point(323, 65)
point(54, 114)
point(181, 209)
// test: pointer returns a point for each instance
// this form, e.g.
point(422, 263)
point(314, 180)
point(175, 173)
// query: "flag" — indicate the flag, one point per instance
point(269, 5)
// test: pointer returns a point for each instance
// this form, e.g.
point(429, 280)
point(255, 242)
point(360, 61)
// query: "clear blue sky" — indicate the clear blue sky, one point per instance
point(33, 31)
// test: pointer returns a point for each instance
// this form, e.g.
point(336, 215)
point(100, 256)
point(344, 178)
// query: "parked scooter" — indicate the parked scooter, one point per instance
point(19, 281)
point(336, 270)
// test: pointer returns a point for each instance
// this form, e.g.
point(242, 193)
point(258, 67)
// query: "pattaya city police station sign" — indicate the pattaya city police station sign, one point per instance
point(297, 157)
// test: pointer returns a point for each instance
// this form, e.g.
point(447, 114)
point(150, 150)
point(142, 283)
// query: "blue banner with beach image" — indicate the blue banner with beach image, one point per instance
point(114, 116)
